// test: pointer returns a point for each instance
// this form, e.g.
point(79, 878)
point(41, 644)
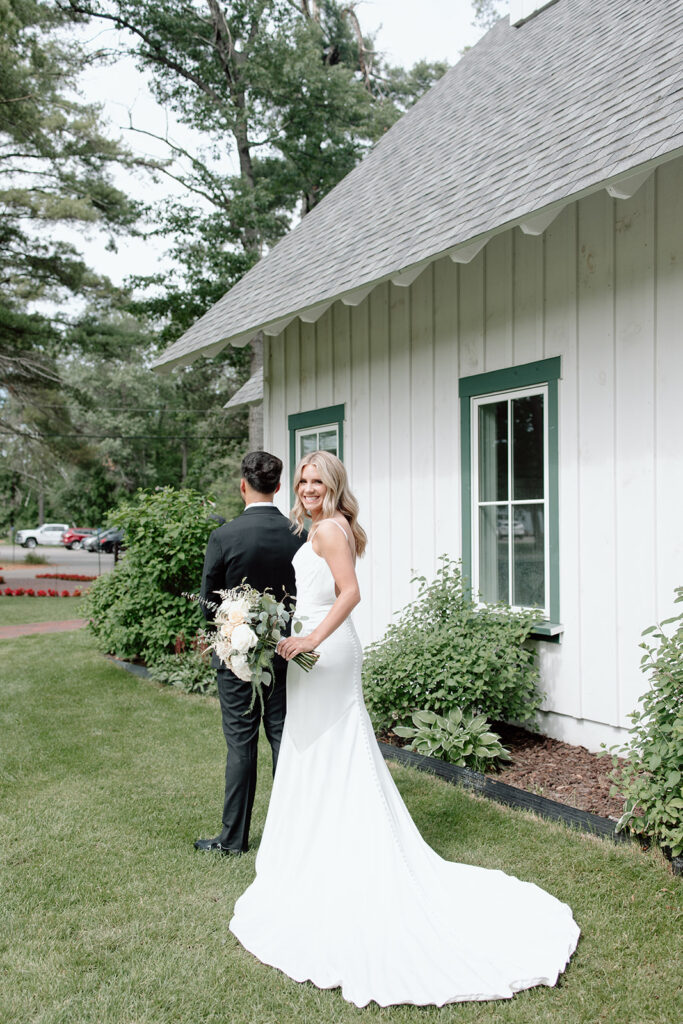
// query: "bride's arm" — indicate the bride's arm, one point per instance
point(333, 546)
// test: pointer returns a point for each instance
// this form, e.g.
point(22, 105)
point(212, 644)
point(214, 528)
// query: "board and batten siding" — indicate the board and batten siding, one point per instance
point(603, 289)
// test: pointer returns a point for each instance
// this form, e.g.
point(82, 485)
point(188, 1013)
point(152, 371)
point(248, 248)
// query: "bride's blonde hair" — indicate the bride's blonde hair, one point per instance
point(337, 499)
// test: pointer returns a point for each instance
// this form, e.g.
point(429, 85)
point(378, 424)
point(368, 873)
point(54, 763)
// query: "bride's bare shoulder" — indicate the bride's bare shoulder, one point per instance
point(333, 528)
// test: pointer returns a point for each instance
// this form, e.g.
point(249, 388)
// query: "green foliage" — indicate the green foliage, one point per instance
point(189, 670)
point(31, 558)
point(460, 738)
point(651, 779)
point(138, 610)
point(444, 653)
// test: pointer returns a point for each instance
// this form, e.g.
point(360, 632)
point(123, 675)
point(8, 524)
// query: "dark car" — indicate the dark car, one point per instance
point(105, 540)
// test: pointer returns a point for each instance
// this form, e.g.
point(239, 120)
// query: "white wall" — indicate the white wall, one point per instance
point(602, 288)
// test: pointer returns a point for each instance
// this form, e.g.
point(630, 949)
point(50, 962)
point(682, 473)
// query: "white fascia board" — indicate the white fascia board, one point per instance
point(277, 328)
point(355, 297)
point(309, 316)
point(624, 188)
point(537, 223)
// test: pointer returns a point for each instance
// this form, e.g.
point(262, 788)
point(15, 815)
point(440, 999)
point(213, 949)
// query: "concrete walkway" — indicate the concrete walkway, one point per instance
point(66, 626)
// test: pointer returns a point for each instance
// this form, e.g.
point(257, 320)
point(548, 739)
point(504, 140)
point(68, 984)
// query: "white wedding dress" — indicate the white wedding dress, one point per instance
point(347, 893)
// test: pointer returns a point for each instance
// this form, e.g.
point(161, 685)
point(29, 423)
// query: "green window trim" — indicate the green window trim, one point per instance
point(332, 414)
point(546, 372)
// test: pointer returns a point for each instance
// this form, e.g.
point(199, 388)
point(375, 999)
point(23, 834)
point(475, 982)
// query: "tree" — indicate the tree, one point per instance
point(487, 12)
point(56, 168)
point(291, 90)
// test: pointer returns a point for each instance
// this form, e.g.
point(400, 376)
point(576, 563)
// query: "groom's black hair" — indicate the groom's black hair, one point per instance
point(262, 471)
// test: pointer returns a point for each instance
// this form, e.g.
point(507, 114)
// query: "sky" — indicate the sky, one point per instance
point(406, 31)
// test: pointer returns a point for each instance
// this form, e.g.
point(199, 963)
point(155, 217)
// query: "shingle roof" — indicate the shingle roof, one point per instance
point(250, 392)
point(581, 93)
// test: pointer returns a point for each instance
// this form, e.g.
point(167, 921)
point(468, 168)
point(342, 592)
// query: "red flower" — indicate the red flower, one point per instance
point(52, 593)
point(30, 592)
point(19, 592)
point(7, 591)
point(42, 593)
point(76, 593)
point(65, 593)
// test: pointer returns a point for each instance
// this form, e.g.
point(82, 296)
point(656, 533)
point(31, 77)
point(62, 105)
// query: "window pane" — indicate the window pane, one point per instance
point(528, 555)
point(527, 447)
point(327, 441)
point(308, 443)
point(493, 554)
point(493, 451)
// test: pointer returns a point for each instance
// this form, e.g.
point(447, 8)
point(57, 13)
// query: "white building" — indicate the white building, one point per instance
point(484, 320)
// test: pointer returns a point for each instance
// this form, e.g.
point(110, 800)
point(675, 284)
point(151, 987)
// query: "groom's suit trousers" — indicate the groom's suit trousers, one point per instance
point(241, 731)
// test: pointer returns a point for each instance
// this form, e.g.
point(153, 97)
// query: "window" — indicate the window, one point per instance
point(509, 473)
point(317, 430)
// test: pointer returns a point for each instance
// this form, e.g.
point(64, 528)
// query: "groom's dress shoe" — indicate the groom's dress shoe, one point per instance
point(215, 846)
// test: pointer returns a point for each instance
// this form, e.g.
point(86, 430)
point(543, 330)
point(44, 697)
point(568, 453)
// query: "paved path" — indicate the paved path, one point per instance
point(8, 632)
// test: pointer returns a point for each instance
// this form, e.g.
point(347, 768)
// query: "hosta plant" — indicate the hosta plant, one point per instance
point(459, 738)
point(651, 777)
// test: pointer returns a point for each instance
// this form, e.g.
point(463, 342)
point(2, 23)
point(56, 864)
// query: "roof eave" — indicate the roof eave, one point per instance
point(620, 185)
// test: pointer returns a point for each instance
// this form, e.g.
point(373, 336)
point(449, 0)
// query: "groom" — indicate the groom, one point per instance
point(257, 547)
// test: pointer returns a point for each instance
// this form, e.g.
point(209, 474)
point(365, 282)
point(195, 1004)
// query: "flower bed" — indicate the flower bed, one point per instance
point(30, 592)
point(64, 576)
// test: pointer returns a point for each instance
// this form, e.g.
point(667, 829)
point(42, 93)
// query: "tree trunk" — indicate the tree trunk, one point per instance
point(256, 410)
point(183, 462)
point(41, 506)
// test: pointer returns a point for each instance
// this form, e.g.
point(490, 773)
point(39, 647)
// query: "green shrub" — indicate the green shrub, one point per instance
point(189, 671)
point(651, 779)
point(461, 739)
point(138, 610)
point(33, 559)
point(444, 653)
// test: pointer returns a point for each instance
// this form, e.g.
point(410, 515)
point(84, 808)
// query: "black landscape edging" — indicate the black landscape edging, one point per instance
point(505, 794)
point(481, 784)
point(137, 670)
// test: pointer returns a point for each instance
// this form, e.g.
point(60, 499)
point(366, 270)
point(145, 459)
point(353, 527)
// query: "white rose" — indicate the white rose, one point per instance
point(243, 638)
point(234, 610)
point(238, 664)
point(226, 629)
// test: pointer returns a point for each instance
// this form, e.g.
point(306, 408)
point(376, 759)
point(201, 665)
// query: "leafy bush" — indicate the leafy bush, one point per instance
point(651, 779)
point(189, 670)
point(33, 559)
point(444, 653)
point(462, 739)
point(138, 609)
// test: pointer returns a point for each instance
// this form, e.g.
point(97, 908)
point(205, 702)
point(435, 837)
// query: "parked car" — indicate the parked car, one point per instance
point(105, 540)
point(73, 537)
point(46, 533)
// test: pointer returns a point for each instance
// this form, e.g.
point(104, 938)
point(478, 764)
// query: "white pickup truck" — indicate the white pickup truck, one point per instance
point(48, 533)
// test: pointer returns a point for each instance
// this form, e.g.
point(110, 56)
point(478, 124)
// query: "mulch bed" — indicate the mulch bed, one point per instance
point(559, 771)
point(551, 768)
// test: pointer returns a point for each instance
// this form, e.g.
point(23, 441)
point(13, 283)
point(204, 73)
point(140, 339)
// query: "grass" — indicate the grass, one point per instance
point(108, 916)
point(15, 611)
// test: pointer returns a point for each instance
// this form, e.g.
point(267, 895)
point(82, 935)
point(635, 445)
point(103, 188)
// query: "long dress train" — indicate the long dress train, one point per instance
point(347, 893)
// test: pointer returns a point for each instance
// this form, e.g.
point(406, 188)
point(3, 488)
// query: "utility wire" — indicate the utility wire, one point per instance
point(145, 437)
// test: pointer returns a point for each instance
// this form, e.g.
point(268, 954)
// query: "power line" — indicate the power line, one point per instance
point(145, 437)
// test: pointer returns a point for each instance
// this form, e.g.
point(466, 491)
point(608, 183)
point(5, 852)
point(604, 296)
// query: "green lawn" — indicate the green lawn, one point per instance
point(16, 611)
point(108, 915)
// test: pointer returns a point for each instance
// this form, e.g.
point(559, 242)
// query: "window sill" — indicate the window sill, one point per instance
point(551, 632)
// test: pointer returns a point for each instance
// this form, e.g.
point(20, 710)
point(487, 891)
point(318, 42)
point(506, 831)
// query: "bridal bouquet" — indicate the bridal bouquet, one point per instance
point(249, 625)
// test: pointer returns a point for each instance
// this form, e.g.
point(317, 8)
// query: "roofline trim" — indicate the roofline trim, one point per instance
point(622, 185)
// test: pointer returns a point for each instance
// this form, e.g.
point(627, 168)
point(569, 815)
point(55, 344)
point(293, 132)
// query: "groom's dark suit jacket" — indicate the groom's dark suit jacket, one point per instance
point(258, 547)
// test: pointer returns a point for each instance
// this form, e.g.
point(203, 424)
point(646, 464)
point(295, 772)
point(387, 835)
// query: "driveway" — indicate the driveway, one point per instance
point(58, 559)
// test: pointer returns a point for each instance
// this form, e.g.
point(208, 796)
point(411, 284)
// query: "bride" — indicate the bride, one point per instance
point(347, 893)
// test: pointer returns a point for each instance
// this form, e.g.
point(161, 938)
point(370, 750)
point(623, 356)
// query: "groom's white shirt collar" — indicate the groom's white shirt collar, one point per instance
point(259, 504)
